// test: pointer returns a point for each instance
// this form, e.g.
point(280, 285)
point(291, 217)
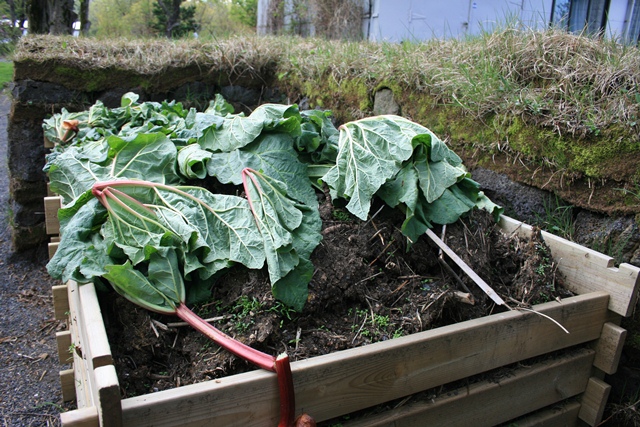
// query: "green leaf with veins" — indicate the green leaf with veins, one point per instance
point(370, 152)
point(237, 131)
point(273, 155)
point(150, 157)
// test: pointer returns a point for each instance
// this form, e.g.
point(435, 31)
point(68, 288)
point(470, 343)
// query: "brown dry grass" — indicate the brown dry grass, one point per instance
point(570, 83)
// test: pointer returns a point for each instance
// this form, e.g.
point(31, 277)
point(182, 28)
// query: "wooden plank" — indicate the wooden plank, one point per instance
point(60, 302)
point(110, 412)
point(594, 401)
point(344, 382)
point(86, 394)
point(565, 415)
point(51, 206)
point(495, 400)
point(93, 326)
point(84, 417)
point(609, 348)
point(586, 270)
point(63, 341)
point(67, 385)
point(52, 248)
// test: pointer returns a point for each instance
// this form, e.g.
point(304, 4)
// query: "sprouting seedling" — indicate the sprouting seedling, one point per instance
point(160, 286)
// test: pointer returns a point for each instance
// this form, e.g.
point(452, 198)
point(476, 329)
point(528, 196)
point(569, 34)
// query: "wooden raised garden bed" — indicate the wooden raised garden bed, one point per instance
point(565, 388)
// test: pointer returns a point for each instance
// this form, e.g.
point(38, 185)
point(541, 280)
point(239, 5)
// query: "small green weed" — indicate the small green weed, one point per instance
point(631, 195)
point(341, 215)
point(615, 250)
point(243, 310)
point(557, 219)
point(372, 325)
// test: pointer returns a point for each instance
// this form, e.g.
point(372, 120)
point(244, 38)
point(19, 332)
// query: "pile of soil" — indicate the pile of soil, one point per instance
point(370, 284)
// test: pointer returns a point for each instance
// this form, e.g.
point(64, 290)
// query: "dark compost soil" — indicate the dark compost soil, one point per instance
point(369, 285)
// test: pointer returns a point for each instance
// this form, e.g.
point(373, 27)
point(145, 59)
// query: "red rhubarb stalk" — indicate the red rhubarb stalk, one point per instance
point(279, 365)
point(258, 358)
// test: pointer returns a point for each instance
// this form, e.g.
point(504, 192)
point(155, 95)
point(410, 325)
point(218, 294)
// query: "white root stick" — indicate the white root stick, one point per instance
point(545, 316)
point(468, 270)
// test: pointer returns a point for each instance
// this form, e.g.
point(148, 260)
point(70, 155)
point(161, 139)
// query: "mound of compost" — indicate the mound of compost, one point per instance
point(370, 284)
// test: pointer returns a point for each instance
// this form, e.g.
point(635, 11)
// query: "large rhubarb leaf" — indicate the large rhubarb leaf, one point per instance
point(290, 231)
point(149, 157)
point(435, 176)
point(371, 151)
point(275, 156)
point(81, 233)
point(160, 290)
point(237, 131)
point(223, 225)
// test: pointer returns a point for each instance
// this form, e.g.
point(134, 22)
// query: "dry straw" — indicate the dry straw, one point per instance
point(570, 83)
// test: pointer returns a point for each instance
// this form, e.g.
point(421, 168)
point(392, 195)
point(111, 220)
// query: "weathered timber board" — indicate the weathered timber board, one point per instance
point(93, 362)
point(586, 270)
point(51, 206)
point(495, 400)
point(347, 381)
point(564, 415)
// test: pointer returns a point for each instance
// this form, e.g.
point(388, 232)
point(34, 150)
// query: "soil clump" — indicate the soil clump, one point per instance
point(370, 284)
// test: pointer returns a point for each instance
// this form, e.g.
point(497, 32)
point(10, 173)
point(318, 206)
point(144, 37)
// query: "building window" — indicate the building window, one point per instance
point(580, 15)
point(632, 25)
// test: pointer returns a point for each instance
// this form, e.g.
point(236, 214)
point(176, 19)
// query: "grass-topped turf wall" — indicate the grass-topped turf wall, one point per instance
point(549, 109)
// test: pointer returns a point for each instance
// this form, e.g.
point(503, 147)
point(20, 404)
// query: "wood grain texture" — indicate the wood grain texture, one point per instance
point(63, 343)
point(343, 382)
point(593, 401)
point(586, 270)
point(609, 348)
point(495, 400)
point(52, 248)
point(51, 206)
point(60, 302)
point(84, 417)
point(96, 339)
point(564, 415)
point(109, 410)
point(67, 385)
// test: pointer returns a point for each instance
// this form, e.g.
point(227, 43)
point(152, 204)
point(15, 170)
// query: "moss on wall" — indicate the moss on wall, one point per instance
point(586, 169)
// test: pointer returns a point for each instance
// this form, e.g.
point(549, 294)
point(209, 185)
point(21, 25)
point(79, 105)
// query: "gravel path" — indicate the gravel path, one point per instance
point(29, 383)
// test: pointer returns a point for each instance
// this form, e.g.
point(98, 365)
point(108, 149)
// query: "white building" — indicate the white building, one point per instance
point(397, 20)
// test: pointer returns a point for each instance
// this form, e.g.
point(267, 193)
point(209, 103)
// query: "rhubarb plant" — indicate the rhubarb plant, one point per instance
point(170, 222)
point(277, 155)
point(136, 212)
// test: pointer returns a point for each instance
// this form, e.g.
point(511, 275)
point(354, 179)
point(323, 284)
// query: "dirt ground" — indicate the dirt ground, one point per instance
point(29, 383)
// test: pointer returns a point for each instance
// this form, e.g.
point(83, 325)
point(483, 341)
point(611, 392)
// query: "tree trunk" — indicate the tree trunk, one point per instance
point(62, 17)
point(85, 24)
point(173, 16)
point(51, 16)
point(38, 15)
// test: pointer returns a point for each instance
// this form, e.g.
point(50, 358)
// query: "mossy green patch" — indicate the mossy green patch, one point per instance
point(98, 79)
point(347, 99)
point(539, 145)
point(6, 72)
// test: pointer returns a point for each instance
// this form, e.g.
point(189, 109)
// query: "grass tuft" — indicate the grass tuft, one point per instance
point(573, 84)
